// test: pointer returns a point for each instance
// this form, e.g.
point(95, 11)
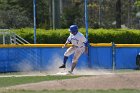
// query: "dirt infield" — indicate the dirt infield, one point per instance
point(129, 80)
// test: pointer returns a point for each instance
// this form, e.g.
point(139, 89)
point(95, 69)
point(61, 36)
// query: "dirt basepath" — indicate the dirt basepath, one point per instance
point(111, 81)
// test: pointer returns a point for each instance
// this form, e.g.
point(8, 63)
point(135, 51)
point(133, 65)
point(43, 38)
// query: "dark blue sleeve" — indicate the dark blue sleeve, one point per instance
point(86, 43)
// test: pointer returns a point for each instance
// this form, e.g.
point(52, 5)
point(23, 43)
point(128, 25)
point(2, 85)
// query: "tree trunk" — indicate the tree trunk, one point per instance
point(118, 14)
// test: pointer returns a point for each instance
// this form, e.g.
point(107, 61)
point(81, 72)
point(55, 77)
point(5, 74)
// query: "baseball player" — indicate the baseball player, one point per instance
point(79, 45)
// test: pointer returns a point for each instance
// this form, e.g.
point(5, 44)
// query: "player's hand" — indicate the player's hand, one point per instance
point(63, 46)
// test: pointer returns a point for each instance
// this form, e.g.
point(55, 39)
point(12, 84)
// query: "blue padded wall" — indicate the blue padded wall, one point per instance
point(126, 58)
point(101, 57)
point(45, 58)
point(24, 59)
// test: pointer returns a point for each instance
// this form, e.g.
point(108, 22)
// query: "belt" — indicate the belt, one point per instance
point(78, 46)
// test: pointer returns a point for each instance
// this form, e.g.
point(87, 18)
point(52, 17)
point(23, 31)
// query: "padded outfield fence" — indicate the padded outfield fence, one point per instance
point(40, 57)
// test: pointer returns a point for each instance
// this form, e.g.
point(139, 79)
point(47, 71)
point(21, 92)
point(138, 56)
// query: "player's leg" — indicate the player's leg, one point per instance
point(64, 62)
point(77, 54)
point(68, 52)
point(72, 67)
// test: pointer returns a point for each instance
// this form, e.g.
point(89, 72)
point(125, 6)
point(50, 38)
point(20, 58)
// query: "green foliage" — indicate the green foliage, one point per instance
point(120, 36)
point(72, 15)
point(101, 13)
point(137, 3)
point(13, 16)
point(123, 36)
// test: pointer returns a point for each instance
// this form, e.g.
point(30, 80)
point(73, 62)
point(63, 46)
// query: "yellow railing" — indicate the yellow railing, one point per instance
point(60, 45)
point(127, 45)
point(31, 45)
point(101, 44)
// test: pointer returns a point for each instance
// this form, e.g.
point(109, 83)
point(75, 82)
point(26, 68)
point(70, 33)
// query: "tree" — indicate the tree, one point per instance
point(118, 14)
point(12, 15)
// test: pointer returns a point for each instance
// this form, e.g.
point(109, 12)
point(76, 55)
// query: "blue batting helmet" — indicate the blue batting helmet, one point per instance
point(73, 28)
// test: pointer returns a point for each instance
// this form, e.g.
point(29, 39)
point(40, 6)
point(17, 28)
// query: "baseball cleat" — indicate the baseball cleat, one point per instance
point(70, 72)
point(63, 66)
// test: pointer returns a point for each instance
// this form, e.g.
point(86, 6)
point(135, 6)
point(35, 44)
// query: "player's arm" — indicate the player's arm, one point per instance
point(65, 45)
point(85, 41)
point(67, 42)
point(86, 47)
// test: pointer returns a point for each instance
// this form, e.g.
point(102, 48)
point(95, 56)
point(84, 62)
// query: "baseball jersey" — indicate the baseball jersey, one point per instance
point(77, 40)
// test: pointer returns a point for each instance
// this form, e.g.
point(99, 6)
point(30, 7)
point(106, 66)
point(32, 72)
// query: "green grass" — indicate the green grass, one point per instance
point(10, 81)
point(74, 91)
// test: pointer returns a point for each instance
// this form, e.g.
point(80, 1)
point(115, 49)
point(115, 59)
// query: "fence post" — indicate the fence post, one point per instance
point(113, 56)
point(3, 38)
